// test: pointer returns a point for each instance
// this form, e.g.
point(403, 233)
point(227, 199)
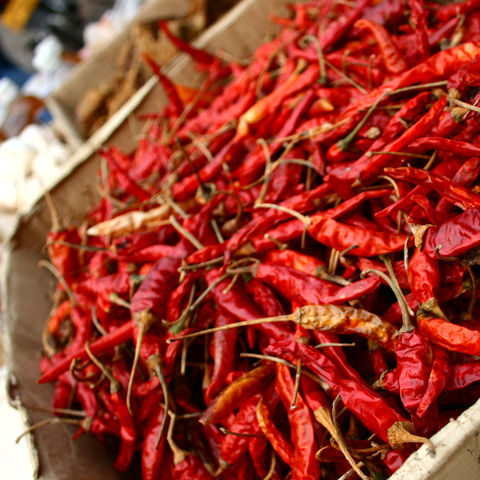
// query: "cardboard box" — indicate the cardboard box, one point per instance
point(101, 66)
point(26, 287)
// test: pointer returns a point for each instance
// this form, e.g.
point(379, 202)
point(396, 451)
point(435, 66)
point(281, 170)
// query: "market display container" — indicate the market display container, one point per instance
point(26, 288)
point(101, 66)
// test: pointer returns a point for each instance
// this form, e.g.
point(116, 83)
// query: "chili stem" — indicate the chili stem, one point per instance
point(344, 143)
point(271, 470)
point(196, 243)
point(298, 373)
point(466, 105)
point(157, 368)
point(114, 383)
point(371, 153)
point(321, 58)
point(304, 219)
point(51, 268)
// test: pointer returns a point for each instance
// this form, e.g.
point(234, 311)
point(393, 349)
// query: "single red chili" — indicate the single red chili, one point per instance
point(174, 99)
point(63, 257)
point(200, 56)
point(392, 58)
point(419, 19)
point(455, 236)
point(153, 454)
point(128, 432)
point(61, 313)
point(337, 28)
point(341, 236)
point(250, 383)
point(308, 290)
point(257, 448)
point(450, 336)
point(295, 260)
point(414, 363)
point(424, 274)
point(302, 432)
point(438, 379)
point(277, 440)
point(224, 344)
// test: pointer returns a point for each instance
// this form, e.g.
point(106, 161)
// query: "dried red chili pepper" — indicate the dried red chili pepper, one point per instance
point(231, 397)
point(308, 290)
point(152, 454)
point(392, 58)
point(463, 374)
point(295, 260)
point(199, 56)
point(337, 28)
point(419, 19)
point(302, 434)
point(455, 236)
point(128, 432)
point(387, 424)
point(277, 440)
point(103, 344)
point(224, 343)
point(414, 360)
point(424, 274)
point(452, 337)
point(340, 236)
point(174, 99)
point(437, 381)
point(234, 446)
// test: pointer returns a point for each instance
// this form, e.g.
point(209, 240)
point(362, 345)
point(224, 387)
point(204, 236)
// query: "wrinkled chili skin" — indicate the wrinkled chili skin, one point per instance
point(393, 59)
point(151, 455)
point(452, 337)
point(277, 440)
point(341, 236)
point(414, 357)
point(63, 257)
point(248, 384)
point(463, 374)
point(301, 426)
point(440, 374)
point(455, 236)
point(233, 447)
point(224, 343)
point(424, 274)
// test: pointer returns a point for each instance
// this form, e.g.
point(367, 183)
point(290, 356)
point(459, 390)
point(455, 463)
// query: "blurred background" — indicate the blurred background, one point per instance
point(66, 67)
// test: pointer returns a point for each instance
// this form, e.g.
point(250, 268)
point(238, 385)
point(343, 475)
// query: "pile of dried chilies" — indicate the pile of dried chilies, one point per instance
point(281, 281)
